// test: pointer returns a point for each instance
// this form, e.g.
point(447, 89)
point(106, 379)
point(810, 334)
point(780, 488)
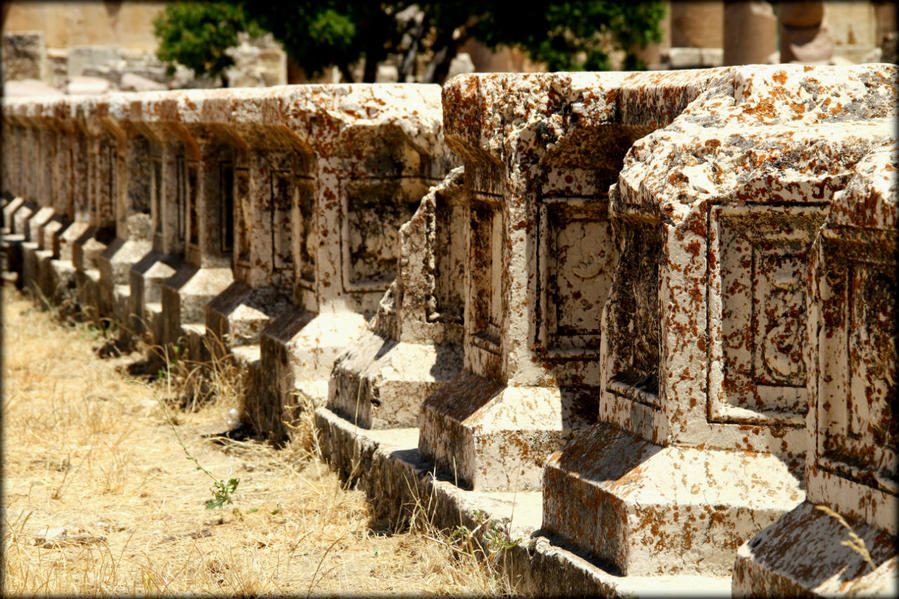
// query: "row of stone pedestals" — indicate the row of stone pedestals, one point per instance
point(660, 305)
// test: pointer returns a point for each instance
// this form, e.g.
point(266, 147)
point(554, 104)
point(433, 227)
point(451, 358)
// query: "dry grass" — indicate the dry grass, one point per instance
point(90, 450)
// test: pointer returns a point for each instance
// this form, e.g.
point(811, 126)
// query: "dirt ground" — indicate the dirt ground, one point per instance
point(100, 498)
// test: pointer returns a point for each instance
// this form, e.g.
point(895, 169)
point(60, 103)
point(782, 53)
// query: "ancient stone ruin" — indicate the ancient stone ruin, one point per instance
point(644, 323)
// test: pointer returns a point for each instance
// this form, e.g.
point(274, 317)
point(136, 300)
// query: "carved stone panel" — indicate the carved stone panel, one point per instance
point(374, 211)
point(306, 232)
point(156, 192)
point(577, 258)
point(858, 428)
point(243, 216)
point(282, 194)
point(226, 207)
point(485, 266)
point(448, 303)
point(633, 327)
point(190, 199)
point(757, 268)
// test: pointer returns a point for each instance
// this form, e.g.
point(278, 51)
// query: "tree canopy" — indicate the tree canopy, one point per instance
point(316, 34)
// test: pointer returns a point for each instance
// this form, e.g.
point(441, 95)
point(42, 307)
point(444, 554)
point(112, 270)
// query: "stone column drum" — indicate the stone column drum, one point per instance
point(852, 467)
point(540, 152)
point(703, 401)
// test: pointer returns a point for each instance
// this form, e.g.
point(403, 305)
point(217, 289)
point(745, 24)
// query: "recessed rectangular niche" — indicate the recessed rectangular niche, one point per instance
point(242, 215)
point(374, 211)
point(306, 237)
point(449, 260)
point(577, 259)
point(485, 265)
point(634, 327)
point(758, 261)
point(858, 395)
point(282, 200)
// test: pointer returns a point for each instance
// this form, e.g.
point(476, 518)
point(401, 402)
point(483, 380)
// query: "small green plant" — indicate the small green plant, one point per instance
point(222, 490)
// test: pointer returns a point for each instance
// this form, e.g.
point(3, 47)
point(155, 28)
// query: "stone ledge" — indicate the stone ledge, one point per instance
point(803, 554)
point(388, 467)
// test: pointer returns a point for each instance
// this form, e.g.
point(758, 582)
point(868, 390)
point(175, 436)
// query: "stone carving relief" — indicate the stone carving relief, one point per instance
point(634, 319)
point(375, 209)
point(575, 238)
point(759, 259)
point(858, 434)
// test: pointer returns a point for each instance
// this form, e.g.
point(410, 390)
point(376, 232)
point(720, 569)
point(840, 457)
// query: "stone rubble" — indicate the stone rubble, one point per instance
point(648, 325)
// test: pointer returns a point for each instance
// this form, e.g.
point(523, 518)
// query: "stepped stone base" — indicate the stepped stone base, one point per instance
point(382, 383)
point(802, 554)
point(184, 297)
point(144, 279)
point(298, 350)
point(29, 273)
point(37, 222)
point(62, 275)
point(237, 315)
point(87, 293)
point(115, 266)
point(647, 510)
point(12, 256)
point(387, 466)
point(44, 274)
point(9, 211)
point(489, 437)
point(20, 219)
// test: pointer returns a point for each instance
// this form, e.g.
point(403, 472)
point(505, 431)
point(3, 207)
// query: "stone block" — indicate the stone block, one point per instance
point(705, 327)
point(413, 344)
point(24, 55)
point(851, 466)
point(539, 152)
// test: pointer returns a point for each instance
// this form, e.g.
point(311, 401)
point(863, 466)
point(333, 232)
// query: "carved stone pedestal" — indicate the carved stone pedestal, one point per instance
point(654, 510)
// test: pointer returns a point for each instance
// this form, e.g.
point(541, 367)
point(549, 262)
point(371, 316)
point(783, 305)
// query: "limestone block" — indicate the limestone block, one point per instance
point(851, 465)
point(24, 55)
point(704, 329)
point(413, 344)
point(316, 216)
point(134, 82)
point(539, 152)
point(88, 86)
point(28, 87)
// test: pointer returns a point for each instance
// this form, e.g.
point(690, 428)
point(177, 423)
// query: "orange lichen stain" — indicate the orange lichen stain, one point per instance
point(780, 77)
point(712, 143)
point(678, 178)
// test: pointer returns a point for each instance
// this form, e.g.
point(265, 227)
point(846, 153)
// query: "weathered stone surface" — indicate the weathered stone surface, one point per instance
point(373, 153)
point(540, 152)
point(704, 327)
point(24, 55)
point(413, 344)
point(852, 465)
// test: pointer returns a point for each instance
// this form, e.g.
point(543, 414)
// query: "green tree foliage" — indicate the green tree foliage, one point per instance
point(196, 35)
point(319, 33)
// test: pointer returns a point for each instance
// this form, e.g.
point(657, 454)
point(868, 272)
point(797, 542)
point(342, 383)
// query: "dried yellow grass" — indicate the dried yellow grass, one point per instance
point(90, 450)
